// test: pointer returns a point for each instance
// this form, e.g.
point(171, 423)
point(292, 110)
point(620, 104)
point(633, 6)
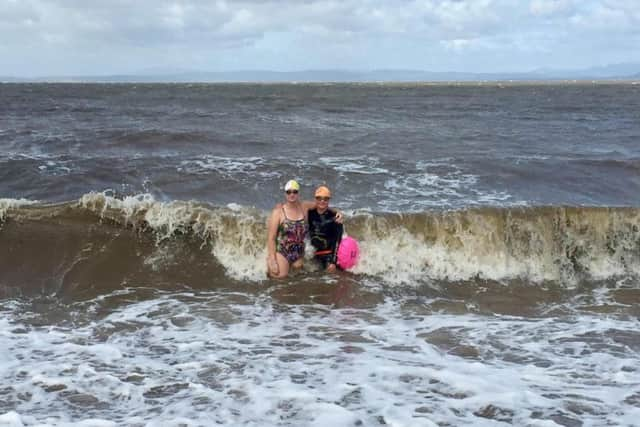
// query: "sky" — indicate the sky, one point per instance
point(102, 37)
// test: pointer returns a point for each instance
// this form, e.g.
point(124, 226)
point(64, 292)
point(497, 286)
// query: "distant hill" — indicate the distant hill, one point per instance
point(612, 71)
point(609, 72)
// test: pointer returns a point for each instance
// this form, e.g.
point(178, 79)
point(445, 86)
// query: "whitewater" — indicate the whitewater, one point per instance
point(499, 280)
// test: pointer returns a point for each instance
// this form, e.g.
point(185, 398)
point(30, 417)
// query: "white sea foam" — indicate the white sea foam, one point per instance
point(548, 244)
point(128, 207)
point(55, 168)
point(558, 245)
point(223, 165)
point(210, 360)
point(8, 204)
point(438, 185)
point(366, 165)
point(236, 236)
point(401, 256)
point(404, 186)
point(11, 419)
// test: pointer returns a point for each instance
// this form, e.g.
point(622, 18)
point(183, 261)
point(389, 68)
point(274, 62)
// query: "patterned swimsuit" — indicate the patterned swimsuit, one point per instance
point(290, 238)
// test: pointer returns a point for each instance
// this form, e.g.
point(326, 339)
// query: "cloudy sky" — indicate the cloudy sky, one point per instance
point(71, 37)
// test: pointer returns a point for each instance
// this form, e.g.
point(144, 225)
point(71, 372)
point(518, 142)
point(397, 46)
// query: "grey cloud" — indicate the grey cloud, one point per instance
point(161, 21)
point(205, 29)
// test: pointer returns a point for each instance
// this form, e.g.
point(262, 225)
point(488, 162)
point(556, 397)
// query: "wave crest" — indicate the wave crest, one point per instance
point(141, 239)
point(560, 244)
point(235, 235)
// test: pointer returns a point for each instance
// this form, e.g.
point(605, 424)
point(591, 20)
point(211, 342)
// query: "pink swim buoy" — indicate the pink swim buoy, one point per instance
point(348, 253)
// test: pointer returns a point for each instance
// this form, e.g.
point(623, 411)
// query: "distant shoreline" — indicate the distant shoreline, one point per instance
point(532, 82)
point(610, 74)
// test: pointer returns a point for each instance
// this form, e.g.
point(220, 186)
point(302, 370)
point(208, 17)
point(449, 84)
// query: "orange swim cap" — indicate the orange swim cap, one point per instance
point(323, 191)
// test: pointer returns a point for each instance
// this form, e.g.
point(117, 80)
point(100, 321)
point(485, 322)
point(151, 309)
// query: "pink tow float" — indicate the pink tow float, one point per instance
point(348, 253)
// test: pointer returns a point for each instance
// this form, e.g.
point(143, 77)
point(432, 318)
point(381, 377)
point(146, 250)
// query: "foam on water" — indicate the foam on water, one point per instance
point(547, 244)
point(54, 168)
point(8, 204)
point(552, 245)
point(559, 245)
point(224, 165)
point(408, 186)
point(438, 184)
point(236, 360)
point(237, 237)
point(358, 165)
point(103, 335)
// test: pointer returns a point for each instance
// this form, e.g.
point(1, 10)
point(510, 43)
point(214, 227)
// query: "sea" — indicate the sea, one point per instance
point(498, 281)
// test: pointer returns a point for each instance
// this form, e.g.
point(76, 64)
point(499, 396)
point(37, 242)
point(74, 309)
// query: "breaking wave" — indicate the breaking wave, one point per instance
point(102, 242)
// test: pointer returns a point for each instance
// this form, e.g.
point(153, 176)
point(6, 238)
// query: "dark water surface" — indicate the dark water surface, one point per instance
point(499, 228)
point(389, 147)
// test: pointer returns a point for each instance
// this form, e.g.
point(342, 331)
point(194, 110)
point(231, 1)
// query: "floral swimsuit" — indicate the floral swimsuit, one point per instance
point(290, 238)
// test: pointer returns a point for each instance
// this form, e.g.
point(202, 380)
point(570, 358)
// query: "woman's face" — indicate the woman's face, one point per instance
point(291, 195)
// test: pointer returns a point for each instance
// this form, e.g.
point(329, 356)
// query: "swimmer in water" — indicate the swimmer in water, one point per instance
point(324, 231)
point(286, 230)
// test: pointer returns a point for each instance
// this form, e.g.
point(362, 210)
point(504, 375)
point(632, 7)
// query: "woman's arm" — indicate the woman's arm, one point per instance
point(272, 230)
point(308, 205)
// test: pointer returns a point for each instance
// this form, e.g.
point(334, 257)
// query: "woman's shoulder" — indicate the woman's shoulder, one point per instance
point(276, 212)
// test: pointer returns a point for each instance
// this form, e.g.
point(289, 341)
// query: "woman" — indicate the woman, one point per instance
point(287, 227)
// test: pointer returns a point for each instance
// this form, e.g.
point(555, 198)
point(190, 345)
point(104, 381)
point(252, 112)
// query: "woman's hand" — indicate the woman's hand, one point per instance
point(272, 264)
point(272, 229)
point(339, 217)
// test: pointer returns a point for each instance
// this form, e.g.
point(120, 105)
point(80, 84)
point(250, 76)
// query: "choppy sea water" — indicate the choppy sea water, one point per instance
point(500, 236)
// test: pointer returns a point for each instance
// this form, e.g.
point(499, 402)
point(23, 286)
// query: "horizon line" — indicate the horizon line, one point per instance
point(538, 73)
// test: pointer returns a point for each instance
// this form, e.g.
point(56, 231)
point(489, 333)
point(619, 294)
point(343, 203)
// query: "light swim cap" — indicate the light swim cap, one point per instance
point(323, 191)
point(292, 185)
